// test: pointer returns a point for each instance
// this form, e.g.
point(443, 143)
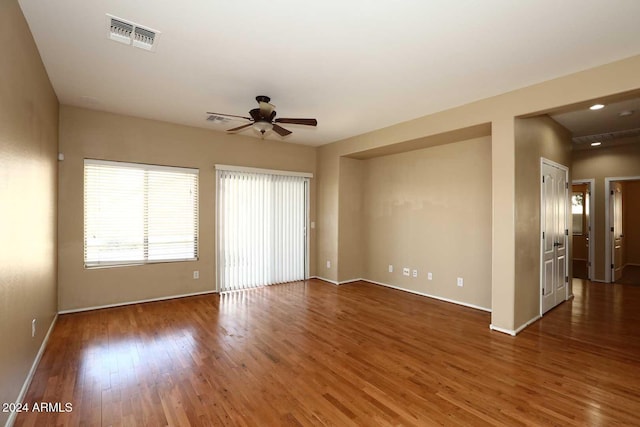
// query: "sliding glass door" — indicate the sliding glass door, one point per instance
point(261, 228)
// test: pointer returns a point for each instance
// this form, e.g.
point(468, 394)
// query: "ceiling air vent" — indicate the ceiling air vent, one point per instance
point(130, 33)
point(120, 31)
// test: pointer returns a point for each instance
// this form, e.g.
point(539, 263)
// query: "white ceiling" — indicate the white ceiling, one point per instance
point(355, 65)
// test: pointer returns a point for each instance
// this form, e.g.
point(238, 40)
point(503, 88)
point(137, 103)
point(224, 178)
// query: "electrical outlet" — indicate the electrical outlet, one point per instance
point(196, 274)
point(390, 268)
point(415, 273)
point(313, 224)
point(33, 328)
point(429, 276)
point(328, 264)
point(460, 281)
point(406, 272)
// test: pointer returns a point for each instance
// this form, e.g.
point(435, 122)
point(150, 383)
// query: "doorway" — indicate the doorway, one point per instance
point(623, 242)
point(262, 218)
point(554, 208)
point(582, 238)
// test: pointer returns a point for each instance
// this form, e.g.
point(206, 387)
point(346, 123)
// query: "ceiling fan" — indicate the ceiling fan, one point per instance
point(263, 118)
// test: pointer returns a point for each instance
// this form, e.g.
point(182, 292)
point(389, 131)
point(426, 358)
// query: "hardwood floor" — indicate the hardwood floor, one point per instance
point(359, 354)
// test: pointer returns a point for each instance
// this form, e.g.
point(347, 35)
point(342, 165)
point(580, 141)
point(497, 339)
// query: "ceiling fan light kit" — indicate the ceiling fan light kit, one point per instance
point(262, 127)
point(263, 119)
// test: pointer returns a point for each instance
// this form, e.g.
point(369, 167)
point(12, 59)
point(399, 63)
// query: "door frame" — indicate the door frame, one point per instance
point(591, 185)
point(608, 251)
point(567, 209)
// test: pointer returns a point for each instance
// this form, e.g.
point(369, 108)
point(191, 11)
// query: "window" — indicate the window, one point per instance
point(262, 218)
point(577, 211)
point(137, 213)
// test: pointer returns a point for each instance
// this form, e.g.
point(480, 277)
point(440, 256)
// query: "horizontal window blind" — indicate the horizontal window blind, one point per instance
point(261, 229)
point(137, 213)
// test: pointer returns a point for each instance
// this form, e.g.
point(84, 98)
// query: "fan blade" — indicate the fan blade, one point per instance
point(280, 130)
point(266, 108)
point(239, 127)
point(230, 115)
point(307, 122)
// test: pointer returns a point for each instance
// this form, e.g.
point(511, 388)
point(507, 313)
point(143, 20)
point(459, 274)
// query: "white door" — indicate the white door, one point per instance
point(587, 220)
point(554, 203)
point(616, 231)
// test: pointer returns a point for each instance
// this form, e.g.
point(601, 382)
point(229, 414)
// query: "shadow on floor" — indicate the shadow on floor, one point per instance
point(630, 275)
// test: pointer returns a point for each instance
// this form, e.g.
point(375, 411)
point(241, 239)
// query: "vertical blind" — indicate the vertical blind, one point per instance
point(137, 213)
point(261, 229)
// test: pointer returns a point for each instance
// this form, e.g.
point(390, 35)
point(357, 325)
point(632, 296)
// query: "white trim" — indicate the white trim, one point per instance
point(514, 332)
point(529, 322)
point(263, 171)
point(344, 282)
point(554, 164)
point(503, 330)
point(307, 227)
point(607, 221)
point(216, 243)
point(465, 304)
point(591, 183)
point(324, 279)
point(32, 371)
point(120, 304)
point(142, 166)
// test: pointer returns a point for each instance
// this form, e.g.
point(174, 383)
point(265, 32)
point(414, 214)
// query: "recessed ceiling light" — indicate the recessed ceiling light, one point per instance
point(597, 107)
point(626, 113)
point(595, 144)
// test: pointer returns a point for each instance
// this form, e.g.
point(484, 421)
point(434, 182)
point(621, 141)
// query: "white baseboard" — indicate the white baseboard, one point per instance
point(514, 332)
point(324, 279)
point(477, 307)
point(529, 322)
point(32, 371)
point(503, 330)
point(120, 304)
point(344, 282)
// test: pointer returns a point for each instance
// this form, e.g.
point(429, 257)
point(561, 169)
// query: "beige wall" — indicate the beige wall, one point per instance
point(351, 240)
point(615, 161)
point(535, 138)
point(327, 223)
point(430, 210)
point(576, 89)
point(91, 134)
point(28, 180)
point(631, 226)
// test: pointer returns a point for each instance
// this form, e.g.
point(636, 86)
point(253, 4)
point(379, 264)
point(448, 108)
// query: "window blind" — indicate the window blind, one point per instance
point(138, 213)
point(261, 229)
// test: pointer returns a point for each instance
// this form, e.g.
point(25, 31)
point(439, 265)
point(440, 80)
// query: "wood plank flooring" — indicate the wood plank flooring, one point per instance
point(315, 354)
